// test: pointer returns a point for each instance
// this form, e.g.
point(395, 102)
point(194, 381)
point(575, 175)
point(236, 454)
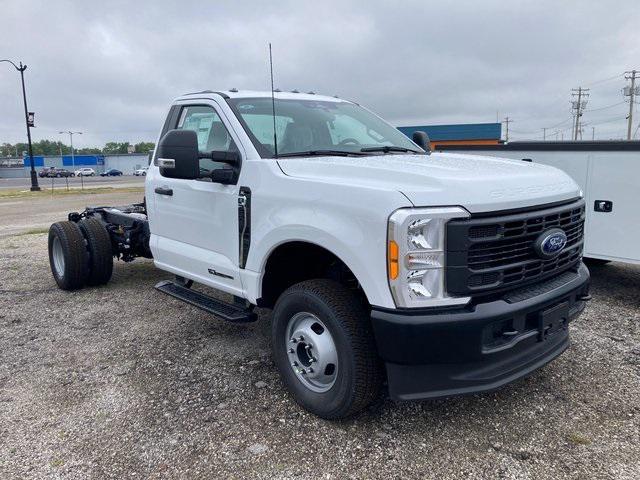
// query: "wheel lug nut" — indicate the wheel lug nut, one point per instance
point(301, 338)
point(310, 370)
point(294, 364)
point(294, 340)
point(291, 350)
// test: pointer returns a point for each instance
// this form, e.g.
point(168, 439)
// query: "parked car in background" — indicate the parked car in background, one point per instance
point(85, 172)
point(141, 172)
point(112, 172)
point(45, 172)
point(60, 172)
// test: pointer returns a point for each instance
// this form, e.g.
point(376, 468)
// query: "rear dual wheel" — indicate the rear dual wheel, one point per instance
point(68, 255)
point(80, 253)
point(99, 250)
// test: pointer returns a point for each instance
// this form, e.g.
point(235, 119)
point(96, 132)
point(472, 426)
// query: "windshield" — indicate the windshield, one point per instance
point(307, 127)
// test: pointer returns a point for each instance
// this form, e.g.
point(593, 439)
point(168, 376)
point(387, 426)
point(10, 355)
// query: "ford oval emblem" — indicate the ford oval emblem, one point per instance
point(550, 243)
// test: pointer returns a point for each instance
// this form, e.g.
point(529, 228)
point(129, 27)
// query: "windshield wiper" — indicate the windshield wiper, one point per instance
point(388, 148)
point(319, 153)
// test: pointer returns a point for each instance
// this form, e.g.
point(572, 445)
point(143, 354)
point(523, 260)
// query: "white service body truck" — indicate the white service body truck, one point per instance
point(607, 171)
point(437, 274)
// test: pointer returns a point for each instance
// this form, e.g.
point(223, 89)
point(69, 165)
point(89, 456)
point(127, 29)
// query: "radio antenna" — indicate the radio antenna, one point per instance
point(273, 107)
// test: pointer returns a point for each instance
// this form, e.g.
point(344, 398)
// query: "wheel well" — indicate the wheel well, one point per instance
point(295, 262)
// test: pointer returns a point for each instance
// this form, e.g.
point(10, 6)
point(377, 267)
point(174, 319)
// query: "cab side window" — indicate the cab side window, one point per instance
point(211, 132)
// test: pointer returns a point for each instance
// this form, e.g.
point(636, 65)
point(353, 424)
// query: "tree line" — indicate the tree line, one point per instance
point(51, 148)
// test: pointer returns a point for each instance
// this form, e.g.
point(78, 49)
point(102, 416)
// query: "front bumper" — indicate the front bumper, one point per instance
point(437, 353)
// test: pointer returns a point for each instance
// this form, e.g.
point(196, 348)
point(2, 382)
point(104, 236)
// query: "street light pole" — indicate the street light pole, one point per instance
point(73, 158)
point(34, 177)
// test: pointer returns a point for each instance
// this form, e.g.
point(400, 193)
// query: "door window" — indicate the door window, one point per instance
point(211, 132)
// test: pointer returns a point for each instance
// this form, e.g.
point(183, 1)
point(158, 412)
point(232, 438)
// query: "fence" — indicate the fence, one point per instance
point(126, 163)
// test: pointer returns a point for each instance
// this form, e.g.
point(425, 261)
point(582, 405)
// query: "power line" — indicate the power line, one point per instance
point(558, 124)
point(607, 121)
point(597, 82)
point(604, 108)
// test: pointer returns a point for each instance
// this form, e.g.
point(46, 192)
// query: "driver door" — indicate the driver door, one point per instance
point(196, 225)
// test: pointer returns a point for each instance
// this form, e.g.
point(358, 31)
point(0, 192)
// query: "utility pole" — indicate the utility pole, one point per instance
point(507, 121)
point(73, 158)
point(578, 106)
point(631, 92)
point(593, 133)
point(28, 117)
point(544, 134)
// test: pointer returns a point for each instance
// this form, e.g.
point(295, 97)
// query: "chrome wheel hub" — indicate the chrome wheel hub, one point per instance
point(58, 257)
point(311, 351)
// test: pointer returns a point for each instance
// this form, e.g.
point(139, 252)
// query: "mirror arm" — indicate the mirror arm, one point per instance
point(230, 158)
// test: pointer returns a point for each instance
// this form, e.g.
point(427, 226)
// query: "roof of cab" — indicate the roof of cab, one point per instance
point(234, 93)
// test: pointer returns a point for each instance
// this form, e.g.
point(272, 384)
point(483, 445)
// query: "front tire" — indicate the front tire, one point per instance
point(68, 255)
point(324, 349)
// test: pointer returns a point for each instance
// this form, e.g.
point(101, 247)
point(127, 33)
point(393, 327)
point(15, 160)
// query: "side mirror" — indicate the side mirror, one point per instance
point(178, 154)
point(421, 139)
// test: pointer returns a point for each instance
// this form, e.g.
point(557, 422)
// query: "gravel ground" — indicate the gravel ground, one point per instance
point(90, 182)
point(124, 382)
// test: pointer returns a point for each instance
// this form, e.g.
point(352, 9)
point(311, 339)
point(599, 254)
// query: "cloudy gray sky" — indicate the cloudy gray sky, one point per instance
point(110, 68)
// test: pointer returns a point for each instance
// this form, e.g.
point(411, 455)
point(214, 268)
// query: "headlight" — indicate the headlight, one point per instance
point(416, 257)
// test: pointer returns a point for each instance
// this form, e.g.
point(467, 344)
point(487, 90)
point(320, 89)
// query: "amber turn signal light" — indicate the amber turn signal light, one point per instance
point(393, 260)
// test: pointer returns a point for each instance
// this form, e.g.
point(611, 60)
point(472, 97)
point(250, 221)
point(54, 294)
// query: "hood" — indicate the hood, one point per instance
point(480, 184)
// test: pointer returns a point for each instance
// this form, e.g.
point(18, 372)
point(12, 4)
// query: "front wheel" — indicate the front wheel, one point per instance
point(324, 349)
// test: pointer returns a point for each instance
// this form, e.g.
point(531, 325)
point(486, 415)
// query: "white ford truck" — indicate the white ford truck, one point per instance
point(435, 274)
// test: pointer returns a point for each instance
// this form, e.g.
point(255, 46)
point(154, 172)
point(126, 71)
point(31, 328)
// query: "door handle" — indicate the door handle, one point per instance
point(605, 206)
point(164, 191)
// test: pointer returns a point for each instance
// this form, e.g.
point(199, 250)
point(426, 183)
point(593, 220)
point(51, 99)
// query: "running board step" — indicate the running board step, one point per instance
point(226, 311)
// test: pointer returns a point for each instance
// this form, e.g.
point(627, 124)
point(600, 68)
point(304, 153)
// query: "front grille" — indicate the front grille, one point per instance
point(487, 254)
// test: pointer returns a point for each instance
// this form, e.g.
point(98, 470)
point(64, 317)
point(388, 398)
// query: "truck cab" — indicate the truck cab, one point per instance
point(436, 274)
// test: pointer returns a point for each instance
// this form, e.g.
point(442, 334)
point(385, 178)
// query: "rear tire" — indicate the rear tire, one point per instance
point(343, 373)
point(99, 249)
point(68, 255)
